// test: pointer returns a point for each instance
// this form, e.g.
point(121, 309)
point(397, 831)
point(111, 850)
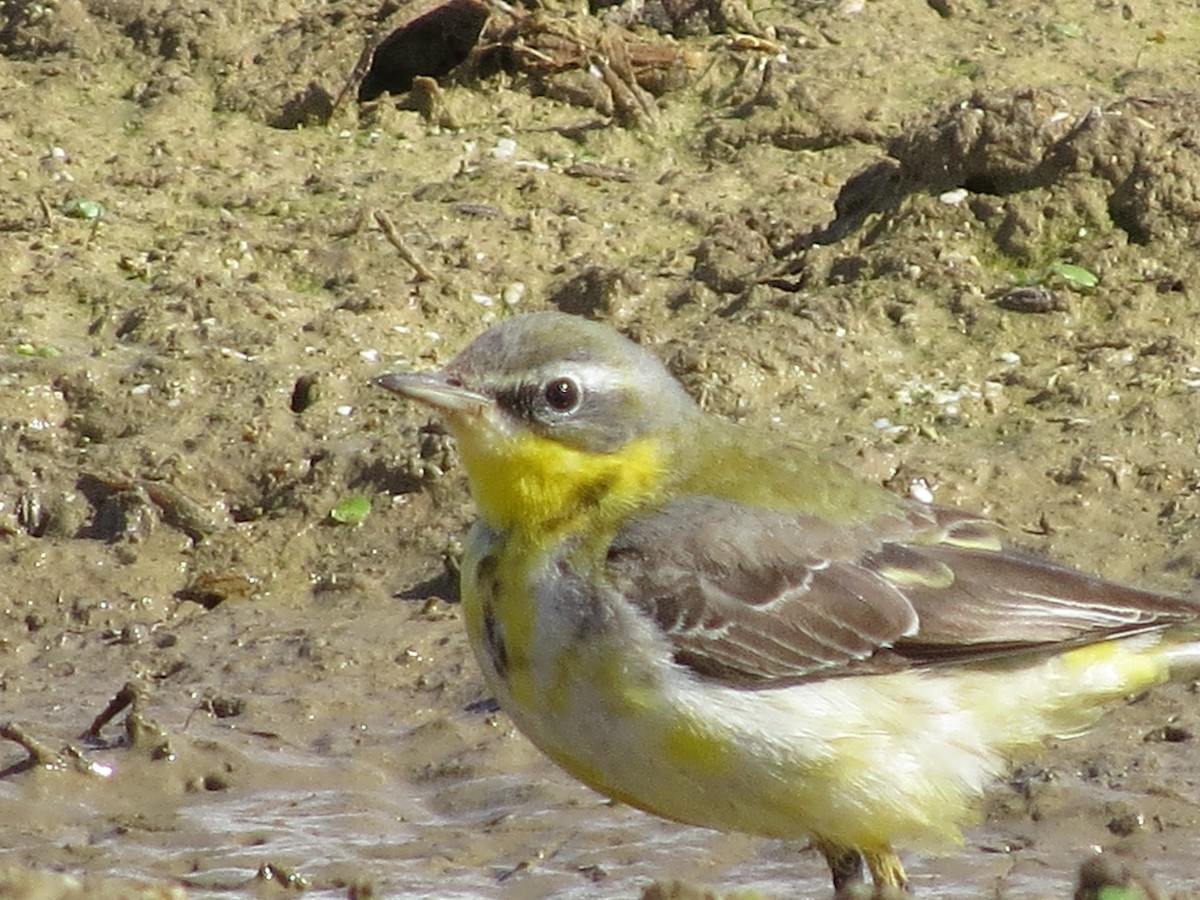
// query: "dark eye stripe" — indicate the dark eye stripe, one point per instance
point(518, 400)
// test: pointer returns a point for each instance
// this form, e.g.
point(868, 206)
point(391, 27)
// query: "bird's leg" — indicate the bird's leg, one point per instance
point(886, 869)
point(845, 864)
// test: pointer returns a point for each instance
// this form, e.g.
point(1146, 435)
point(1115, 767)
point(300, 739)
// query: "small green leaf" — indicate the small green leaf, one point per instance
point(43, 350)
point(83, 209)
point(1114, 892)
point(351, 511)
point(1076, 276)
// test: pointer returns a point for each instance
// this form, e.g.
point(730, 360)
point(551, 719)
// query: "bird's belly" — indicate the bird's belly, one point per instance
point(786, 763)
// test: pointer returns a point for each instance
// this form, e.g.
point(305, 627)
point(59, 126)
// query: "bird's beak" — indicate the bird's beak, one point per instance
point(436, 390)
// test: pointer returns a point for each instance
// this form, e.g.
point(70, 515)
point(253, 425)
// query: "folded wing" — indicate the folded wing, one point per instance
point(757, 597)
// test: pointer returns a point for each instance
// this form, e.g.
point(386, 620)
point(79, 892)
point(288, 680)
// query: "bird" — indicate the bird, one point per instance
point(727, 629)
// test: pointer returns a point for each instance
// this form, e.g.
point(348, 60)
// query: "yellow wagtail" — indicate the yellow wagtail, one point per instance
point(734, 633)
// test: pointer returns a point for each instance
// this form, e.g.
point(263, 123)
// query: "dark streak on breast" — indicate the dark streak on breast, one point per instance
point(488, 581)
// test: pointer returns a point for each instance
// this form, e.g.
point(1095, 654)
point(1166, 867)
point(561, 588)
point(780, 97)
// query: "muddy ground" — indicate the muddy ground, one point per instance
point(953, 241)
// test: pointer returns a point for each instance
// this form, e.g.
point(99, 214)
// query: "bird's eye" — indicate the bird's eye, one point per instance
point(562, 394)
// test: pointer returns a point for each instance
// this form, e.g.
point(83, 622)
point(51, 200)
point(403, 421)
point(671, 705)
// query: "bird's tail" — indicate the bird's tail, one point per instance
point(1065, 694)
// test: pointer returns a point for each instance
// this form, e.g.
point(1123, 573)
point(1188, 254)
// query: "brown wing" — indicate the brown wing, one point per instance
point(757, 597)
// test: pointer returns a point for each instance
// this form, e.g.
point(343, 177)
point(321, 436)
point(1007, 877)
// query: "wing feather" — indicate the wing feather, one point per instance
point(758, 597)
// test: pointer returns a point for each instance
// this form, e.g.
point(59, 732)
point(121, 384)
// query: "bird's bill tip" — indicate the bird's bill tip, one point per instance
point(433, 390)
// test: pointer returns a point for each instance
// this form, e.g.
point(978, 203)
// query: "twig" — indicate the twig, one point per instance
point(40, 754)
point(360, 69)
point(389, 232)
point(46, 212)
point(126, 697)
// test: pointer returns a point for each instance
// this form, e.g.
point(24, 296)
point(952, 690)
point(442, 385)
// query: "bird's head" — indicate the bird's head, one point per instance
point(552, 414)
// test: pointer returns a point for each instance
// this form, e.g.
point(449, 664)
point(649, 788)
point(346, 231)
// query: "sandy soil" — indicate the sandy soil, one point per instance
point(875, 224)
